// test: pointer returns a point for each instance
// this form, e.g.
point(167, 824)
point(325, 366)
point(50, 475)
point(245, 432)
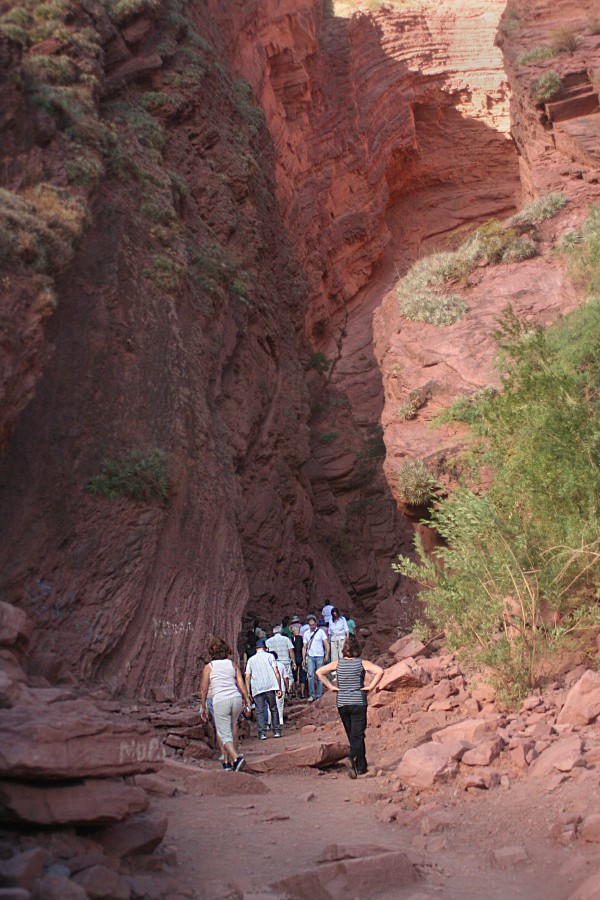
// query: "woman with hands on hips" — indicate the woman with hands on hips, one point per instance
point(351, 692)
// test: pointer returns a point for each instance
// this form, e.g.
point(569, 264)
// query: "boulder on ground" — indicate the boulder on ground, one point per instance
point(78, 803)
point(218, 783)
point(101, 883)
point(407, 646)
point(315, 755)
point(73, 739)
point(139, 834)
point(562, 756)
point(15, 626)
point(402, 675)
point(429, 763)
point(336, 852)
point(473, 731)
point(14, 894)
point(582, 705)
point(590, 828)
point(23, 868)
point(484, 753)
point(57, 887)
point(351, 878)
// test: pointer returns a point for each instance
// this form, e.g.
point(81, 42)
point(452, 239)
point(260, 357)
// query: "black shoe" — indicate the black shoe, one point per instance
point(240, 761)
point(352, 771)
point(228, 767)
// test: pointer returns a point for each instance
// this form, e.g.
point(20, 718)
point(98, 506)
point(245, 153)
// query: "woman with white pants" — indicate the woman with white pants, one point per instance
point(228, 695)
point(338, 632)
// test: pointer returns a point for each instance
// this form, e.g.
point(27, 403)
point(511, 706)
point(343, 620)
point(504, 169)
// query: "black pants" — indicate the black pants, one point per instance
point(354, 720)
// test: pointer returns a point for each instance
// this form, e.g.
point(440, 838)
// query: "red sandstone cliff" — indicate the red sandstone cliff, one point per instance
point(175, 328)
point(557, 151)
point(178, 322)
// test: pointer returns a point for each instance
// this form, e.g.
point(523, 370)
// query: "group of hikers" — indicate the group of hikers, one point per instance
point(320, 653)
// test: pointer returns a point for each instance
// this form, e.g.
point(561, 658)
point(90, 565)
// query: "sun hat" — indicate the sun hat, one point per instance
point(261, 643)
point(295, 619)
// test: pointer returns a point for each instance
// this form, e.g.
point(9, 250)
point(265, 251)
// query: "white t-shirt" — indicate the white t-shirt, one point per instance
point(315, 642)
point(281, 645)
point(261, 669)
point(338, 629)
point(222, 680)
point(326, 613)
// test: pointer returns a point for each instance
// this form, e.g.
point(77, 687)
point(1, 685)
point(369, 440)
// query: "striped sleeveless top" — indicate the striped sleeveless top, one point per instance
point(350, 680)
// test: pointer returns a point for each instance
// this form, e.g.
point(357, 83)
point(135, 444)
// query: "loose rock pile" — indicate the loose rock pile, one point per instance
point(70, 762)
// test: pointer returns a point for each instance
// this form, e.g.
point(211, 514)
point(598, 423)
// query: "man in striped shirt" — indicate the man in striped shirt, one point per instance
point(263, 682)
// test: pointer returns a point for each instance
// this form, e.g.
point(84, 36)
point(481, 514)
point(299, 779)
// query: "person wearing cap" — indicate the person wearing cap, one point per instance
point(314, 653)
point(263, 682)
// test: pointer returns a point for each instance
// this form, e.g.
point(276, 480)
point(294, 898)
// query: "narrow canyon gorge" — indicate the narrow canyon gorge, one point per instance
point(381, 133)
point(210, 213)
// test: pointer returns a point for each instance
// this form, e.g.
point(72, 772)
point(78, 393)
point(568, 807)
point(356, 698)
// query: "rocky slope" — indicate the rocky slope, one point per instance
point(555, 143)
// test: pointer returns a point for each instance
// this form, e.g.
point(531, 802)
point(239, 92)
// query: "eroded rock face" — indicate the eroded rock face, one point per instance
point(203, 364)
point(375, 106)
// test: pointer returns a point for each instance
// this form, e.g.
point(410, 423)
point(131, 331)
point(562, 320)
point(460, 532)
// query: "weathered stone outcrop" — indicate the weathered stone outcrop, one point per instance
point(175, 329)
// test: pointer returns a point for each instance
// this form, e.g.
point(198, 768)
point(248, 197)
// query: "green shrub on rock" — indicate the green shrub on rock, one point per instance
point(139, 476)
point(519, 570)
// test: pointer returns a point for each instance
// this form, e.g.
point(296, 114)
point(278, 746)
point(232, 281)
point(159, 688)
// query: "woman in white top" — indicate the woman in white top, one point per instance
point(338, 632)
point(228, 694)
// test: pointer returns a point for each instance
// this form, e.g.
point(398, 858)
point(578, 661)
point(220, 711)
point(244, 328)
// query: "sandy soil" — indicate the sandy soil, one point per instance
point(238, 845)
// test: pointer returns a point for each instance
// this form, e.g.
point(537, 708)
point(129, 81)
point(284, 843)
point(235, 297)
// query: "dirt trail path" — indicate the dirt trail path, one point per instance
point(236, 846)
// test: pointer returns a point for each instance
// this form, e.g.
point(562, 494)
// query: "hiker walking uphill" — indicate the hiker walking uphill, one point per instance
point(315, 652)
point(280, 644)
point(338, 632)
point(352, 698)
point(264, 685)
point(228, 694)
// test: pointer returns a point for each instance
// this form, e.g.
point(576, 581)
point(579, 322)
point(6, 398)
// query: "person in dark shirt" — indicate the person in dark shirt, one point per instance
point(352, 697)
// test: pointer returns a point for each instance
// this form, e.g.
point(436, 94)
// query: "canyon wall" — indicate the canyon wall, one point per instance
point(215, 237)
point(174, 329)
point(557, 145)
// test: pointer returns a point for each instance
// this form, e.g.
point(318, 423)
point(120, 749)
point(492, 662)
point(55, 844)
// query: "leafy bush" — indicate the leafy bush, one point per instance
point(547, 86)
point(51, 69)
point(318, 361)
point(122, 10)
point(419, 292)
point(139, 476)
point(520, 567)
point(541, 208)
point(40, 226)
point(165, 272)
point(84, 170)
point(415, 483)
point(536, 55)
point(328, 437)
point(465, 408)
point(565, 39)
